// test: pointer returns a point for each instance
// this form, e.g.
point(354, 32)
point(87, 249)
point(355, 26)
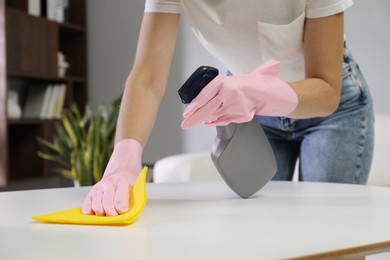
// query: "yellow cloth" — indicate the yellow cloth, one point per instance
point(75, 216)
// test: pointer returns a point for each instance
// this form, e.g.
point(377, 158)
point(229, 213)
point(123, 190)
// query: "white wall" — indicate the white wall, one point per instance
point(113, 30)
point(367, 28)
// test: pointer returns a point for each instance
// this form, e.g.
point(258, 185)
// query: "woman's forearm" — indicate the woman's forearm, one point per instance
point(138, 109)
point(146, 83)
point(319, 94)
point(316, 98)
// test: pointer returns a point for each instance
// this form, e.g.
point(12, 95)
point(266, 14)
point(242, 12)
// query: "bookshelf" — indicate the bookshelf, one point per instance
point(30, 44)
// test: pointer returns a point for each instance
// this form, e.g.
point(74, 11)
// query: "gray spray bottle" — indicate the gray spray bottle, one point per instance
point(241, 152)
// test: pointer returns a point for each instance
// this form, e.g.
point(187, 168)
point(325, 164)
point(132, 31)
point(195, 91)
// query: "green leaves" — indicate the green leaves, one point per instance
point(84, 143)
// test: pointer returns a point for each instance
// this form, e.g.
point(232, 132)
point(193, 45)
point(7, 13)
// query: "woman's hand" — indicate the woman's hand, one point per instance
point(110, 196)
point(236, 99)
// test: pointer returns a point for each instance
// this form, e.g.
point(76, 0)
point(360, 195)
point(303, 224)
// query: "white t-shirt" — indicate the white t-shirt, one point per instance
point(244, 34)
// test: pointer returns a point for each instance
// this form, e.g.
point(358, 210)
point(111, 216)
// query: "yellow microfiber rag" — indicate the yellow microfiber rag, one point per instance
point(75, 216)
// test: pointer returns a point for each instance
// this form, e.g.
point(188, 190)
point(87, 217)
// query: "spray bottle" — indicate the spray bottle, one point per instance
point(241, 152)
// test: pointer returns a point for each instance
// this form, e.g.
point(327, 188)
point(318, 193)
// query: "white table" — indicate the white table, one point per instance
point(206, 220)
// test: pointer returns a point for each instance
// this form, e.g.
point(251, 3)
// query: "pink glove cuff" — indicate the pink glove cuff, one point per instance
point(281, 99)
point(125, 157)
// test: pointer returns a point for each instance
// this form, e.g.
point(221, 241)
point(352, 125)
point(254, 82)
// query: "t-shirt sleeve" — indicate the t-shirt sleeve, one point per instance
point(163, 6)
point(322, 8)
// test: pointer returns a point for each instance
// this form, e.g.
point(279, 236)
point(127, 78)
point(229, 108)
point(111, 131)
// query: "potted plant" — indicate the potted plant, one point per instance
point(82, 144)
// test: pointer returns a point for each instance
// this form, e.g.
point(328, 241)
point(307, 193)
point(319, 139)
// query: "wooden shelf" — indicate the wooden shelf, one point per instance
point(31, 45)
point(72, 27)
point(64, 25)
point(32, 76)
point(30, 121)
point(76, 79)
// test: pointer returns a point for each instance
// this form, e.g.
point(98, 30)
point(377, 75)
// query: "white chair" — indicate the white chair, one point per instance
point(380, 169)
point(185, 167)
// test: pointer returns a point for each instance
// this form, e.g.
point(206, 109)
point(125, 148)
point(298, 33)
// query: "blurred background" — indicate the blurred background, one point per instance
point(82, 51)
point(112, 37)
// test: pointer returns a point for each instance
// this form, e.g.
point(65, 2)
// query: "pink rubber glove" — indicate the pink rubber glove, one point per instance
point(236, 99)
point(110, 196)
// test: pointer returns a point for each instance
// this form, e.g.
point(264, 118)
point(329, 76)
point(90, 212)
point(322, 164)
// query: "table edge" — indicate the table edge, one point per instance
point(349, 253)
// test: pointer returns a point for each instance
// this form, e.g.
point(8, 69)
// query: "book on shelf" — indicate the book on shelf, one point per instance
point(34, 7)
point(34, 101)
point(45, 101)
point(57, 10)
point(59, 101)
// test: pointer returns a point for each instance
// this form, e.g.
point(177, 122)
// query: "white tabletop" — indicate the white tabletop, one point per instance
point(206, 220)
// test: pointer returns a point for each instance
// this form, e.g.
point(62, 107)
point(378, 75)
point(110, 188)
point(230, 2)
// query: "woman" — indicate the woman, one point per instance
point(292, 72)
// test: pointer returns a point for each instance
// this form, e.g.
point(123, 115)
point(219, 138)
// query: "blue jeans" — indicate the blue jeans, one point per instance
point(336, 148)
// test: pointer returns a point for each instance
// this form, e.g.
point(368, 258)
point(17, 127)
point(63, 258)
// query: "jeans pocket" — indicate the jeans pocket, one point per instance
point(354, 90)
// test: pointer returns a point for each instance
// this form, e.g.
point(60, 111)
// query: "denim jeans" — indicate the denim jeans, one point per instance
point(336, 148)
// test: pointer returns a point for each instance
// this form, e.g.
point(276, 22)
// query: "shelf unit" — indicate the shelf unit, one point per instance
point(30, 45)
